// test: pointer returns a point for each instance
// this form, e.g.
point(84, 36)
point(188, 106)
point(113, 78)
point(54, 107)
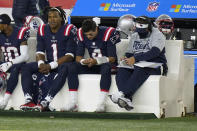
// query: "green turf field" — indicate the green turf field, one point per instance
point(23, 121)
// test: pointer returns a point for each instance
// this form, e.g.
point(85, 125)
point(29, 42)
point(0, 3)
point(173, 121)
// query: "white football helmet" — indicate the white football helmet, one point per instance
point(165, 24)
point(33, 22)
point(126, 24)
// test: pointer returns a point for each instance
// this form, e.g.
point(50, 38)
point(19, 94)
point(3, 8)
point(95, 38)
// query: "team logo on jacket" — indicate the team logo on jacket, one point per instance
point(152, 6)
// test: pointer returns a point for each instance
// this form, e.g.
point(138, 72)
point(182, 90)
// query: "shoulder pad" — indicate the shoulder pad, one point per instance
point(68, 29)
point(80, 34)
point(108, 33)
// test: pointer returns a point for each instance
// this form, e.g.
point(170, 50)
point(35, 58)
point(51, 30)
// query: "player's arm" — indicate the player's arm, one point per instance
point(19, 59)
point(111, 48)
point(80, 59)
point(158, 44)
point(40, 54)
point(23, 54)
point(66, 58)
point(71, 47)
point(80, 53)
point(42, 67)
point(22, 38)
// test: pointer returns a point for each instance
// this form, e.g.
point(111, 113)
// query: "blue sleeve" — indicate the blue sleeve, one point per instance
point(153, 53)
point(71, 46)
point(111, 50)
point(72, 41)
point(128, 55)
point(80, 49)
point(40, 44)
point(111, 43)
point(114, 38)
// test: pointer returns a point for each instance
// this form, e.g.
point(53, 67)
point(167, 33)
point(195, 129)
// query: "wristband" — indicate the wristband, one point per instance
point(40, 62)
point(81, 61)
point(53, 64)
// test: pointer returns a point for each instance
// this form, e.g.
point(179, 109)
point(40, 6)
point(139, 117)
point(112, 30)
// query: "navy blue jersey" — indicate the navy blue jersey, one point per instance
point(10, 45)
point(56, 45)
point(103, 45)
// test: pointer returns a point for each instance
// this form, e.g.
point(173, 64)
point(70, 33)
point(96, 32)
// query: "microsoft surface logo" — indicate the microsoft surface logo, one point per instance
point(104, 6)
point(175, 8)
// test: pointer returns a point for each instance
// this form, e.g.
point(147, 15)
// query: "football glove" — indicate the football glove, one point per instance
point(5, 66)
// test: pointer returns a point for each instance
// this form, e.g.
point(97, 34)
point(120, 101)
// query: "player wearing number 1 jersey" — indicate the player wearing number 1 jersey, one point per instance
point(55, 42)
point(13, 43)
point(100, 41)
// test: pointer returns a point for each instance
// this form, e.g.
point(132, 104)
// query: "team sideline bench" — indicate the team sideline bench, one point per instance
point(165, 96)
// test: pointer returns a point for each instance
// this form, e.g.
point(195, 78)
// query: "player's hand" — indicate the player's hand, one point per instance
point(130, 61)
point(123, 58)
point(5, 66)
point(44, 68)
point(87, 61)
point(92, 62)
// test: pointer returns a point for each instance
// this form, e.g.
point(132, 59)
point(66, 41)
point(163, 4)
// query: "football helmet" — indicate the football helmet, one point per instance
point(126, 24)
point(165, 24)
point(33, 22)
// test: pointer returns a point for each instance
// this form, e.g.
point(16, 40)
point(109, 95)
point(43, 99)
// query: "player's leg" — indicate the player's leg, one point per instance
point(11, 84)
point(122, 76)
point(105, 83)
point(138, 77)
point(73, 84)
point(27, 77)
point(57, 84)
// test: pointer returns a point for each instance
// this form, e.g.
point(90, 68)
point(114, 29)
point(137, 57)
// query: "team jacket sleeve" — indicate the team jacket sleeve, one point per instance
point(19, 9)
point(111, 43)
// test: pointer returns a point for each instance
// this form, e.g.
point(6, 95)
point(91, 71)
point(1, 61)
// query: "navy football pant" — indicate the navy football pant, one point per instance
point(55, 86)
point(13, 79)
point(65, 70)
point(104, 70)
point(128, 80)
point(41, 85)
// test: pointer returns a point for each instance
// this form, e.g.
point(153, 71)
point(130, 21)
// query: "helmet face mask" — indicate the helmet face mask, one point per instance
point(143, 26)
point(126, 24)
point(166, 26)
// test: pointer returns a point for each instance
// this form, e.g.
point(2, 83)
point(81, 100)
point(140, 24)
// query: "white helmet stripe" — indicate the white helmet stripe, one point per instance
point(41, 30)
point(21, 32)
